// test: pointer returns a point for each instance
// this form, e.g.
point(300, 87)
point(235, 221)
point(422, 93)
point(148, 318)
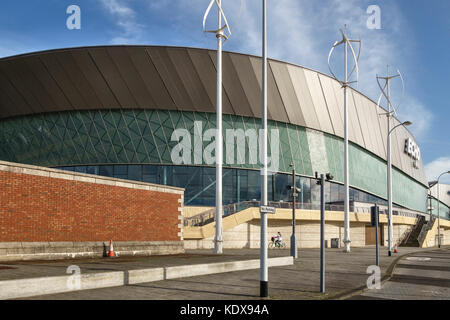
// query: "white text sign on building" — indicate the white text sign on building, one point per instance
point(413, 150)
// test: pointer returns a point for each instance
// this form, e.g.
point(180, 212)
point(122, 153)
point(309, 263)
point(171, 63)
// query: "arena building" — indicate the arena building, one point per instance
point(113, 111)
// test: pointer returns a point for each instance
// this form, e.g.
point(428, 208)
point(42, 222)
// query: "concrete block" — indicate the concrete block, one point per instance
point(102, 280)
point(124, 184)
point(141, 187)
point(34, 244)
point(84, 179)
point(35, 172)
point(60, 244)
point(6, 245)
point(145, 275)
point(105, 182)
point(4, 168)
point(15, 169)
point(58, 175)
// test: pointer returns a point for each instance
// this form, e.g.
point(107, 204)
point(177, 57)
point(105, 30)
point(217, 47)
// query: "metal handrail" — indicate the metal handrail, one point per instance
point(426, 227)
point(230, 209)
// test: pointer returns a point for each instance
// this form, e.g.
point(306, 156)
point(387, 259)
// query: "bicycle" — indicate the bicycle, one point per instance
point(274, 244)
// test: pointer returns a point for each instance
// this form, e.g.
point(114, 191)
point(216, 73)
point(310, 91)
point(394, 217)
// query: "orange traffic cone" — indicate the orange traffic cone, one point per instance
point(395, 249)
point(111, 250)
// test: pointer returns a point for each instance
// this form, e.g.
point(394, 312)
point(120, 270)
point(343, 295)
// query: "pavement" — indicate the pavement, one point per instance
point(420, 276)
point(346, 275)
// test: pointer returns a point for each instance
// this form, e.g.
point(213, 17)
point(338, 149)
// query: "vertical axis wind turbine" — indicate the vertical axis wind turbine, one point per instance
point(221, 37)
point(391, 112)
point(347, 44)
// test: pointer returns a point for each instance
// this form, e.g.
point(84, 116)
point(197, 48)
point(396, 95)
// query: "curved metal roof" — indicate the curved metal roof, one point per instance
point(179, 78)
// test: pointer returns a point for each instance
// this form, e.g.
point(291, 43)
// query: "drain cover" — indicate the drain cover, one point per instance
point(418, 259)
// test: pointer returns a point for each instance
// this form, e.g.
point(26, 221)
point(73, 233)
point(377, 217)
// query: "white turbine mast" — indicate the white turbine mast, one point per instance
point(223, 32)
point(345, 83)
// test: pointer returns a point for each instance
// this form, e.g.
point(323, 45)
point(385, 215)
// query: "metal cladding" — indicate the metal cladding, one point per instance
point(177, 78)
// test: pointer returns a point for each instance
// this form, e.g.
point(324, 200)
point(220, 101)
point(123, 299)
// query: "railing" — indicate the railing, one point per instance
point(403, 240)
point(208, 216)
point(426, 227)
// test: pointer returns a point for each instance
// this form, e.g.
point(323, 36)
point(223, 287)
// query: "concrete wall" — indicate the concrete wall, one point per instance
point(13, 251)
point(247, 234)
point(432, 240)
point(397, 232)
point(241, 230)
point(42, 210)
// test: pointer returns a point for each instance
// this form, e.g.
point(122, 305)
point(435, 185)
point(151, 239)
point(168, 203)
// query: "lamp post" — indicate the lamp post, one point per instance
point(389, 115)
point(221, 37)
point(389, 182)
point(431, 184)
point(295, 192)
point(438, 205)
point(264, 268)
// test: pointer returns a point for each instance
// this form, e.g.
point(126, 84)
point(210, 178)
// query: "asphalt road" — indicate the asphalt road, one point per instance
point(421, 276)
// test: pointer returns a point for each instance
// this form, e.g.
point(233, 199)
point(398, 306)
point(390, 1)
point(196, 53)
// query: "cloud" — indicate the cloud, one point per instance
point(413, 110)
point(126, 21)
point(300, 32)
point(436, 167)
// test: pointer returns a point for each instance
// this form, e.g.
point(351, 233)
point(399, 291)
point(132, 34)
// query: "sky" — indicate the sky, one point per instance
point(413, 37)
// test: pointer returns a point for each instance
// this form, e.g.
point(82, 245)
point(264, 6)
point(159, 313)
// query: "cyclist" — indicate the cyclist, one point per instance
point(278, 239)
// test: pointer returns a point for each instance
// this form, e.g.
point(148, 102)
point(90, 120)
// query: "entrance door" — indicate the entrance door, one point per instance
point(371, 236)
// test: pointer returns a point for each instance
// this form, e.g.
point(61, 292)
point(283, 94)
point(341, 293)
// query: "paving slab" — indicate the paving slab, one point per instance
point(48, 268)
point(420, 276)
point(345, 274)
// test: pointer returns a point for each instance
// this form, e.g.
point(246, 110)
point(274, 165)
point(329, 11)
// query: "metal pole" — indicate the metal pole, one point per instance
point(439, 216)
point(431, 205)
point(322, 234)
point(301, 192)
point(376, 235)
point(389, 170)
point(346, 167)
point(264, 272)
point(218, 241)
point(293, 237)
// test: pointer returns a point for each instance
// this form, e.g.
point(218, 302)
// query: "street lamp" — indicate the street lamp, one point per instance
point(391, 111)
point(389, 178)
point(438, 205)
point(431, 184)
point(264, 267)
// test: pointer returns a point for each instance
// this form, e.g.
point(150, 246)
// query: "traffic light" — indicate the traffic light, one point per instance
point(374, 215)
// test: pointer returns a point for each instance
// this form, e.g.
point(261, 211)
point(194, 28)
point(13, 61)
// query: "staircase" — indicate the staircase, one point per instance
point(207, 217)
point(412, 238)
point(426, 228)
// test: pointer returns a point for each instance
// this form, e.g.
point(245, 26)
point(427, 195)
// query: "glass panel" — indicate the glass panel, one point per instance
point(106, 171)
point(92, 169)
point(135, 172)
point(81, 169)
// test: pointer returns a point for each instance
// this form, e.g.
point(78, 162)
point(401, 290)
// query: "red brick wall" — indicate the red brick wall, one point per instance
point(36, 208)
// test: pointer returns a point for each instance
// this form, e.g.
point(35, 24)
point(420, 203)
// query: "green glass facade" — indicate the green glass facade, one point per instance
point(137, 136)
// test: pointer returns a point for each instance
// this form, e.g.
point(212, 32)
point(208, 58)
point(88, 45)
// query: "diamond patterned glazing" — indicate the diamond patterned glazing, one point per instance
point(144, 137)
